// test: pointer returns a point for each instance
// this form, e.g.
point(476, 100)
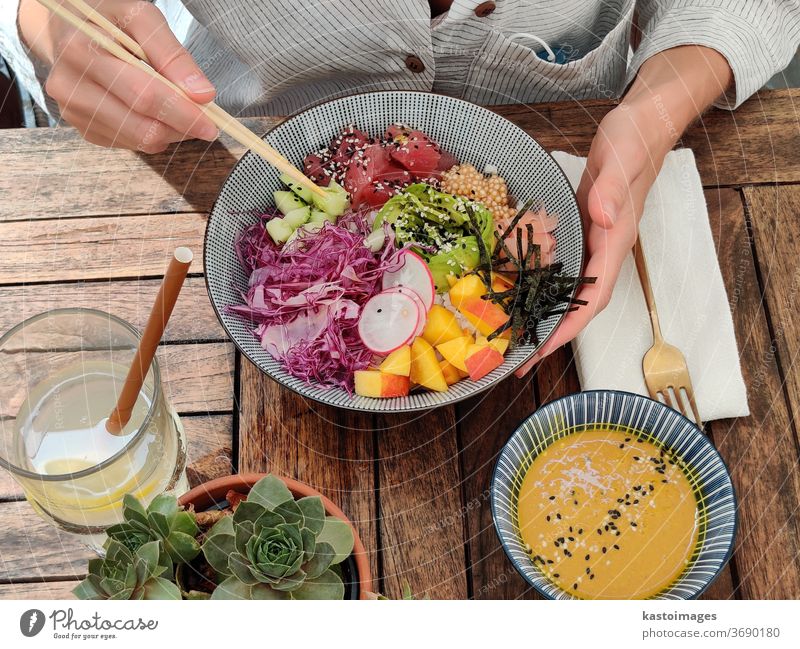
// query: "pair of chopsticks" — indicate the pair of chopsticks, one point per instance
point(133, 54)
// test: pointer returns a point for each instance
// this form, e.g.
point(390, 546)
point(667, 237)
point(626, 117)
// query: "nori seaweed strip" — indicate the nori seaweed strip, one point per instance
point(538, 291)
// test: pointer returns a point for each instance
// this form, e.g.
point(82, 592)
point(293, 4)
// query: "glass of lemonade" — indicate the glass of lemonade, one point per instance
point(60, 375)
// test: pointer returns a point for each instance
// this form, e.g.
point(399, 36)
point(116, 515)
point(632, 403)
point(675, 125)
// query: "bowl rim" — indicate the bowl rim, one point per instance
point(493, 487)
point(348, 405)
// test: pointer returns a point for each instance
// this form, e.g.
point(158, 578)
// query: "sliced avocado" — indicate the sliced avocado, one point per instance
point(335, 202)
point(279, 230)
point(287, 201)
point(320, 217)
point(297, 217)
point(464, 256)
point(303, 193)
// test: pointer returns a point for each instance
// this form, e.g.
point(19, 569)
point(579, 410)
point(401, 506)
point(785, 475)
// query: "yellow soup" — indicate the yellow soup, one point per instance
point(608, 515)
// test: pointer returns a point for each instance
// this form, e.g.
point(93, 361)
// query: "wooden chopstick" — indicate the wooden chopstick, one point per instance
point(223, 120)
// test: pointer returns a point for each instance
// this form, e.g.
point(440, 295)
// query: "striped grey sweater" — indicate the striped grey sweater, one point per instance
point(278, 56)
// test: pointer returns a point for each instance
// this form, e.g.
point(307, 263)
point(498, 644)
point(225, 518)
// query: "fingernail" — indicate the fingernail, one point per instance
point(197, 83)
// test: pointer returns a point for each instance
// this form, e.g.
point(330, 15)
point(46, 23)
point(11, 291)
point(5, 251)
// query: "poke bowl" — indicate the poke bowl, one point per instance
point(446, 250)
point(584, 511)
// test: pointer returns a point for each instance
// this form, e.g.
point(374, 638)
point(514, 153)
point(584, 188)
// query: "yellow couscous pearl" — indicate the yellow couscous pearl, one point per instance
point(465, 180)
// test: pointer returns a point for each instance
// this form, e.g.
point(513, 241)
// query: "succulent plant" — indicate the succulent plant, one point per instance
point(127, 574)
point(163, 521)
point(276, 547)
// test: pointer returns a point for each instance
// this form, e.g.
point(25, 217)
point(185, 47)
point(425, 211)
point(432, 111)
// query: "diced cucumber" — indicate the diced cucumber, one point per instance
point(297, 217)
point(320, 217)
point(287, 201)
point(303, 230)
point(335, 202)
point(279, 230)
point(303, 193)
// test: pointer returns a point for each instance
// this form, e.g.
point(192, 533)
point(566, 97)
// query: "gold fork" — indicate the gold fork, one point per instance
point(664, 365)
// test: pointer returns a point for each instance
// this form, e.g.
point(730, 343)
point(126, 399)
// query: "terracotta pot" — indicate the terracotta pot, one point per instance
point(210, 493)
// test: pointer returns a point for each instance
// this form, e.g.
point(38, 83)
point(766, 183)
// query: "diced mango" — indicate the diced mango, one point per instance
point(482, 359)
point(450, 372)
point(500, 344)
point(501, 283)
point(398, 362)
point(442, 325)
point(455, 351)
point(486, 316)
point(451, 280)
point(469, 286)
point(425, 369)
point(373, 383)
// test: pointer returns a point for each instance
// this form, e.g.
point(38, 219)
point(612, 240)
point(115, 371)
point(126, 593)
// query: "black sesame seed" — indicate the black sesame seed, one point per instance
point(587, 557)
point(605, 549)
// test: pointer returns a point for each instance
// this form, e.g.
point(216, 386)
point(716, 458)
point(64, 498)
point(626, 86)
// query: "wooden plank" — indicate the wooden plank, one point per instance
point(209, 443)
point(33, 550)
point(38, 590)
point(64, 176)
point(760, 450)
point(329, 449)
point(773, 214)
point(97, 248)
point(422, 528)
point(198, 378)
point(485, 423)
point(192, 319)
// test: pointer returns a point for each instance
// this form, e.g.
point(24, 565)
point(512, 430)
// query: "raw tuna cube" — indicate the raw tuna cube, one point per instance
point(417, 153)
point(314, 166)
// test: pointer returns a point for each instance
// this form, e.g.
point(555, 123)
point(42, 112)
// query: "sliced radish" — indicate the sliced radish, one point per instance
point(389, 320)
point(404, 290)
point(414, 274)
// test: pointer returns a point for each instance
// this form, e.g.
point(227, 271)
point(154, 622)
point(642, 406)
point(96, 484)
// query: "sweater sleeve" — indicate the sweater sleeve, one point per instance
point(757, 37)
point(30, 73)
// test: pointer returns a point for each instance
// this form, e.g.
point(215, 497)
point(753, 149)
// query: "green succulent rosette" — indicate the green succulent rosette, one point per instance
point(163, 521)
point(276, 547)
point(125, 574)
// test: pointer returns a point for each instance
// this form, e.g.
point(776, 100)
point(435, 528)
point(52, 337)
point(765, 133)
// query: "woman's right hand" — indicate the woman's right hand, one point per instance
point(112, 103)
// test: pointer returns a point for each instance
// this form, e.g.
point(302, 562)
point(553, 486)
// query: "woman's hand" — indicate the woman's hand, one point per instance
point(109, 101)
point(626, 154)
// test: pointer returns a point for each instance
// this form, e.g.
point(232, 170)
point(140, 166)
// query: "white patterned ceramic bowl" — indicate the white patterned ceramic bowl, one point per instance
point(659, 424)
point(473, 134)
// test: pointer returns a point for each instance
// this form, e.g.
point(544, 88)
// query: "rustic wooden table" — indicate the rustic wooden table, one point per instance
point(80, 225)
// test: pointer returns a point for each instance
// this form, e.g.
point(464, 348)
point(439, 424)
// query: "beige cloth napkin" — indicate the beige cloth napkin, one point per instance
point(690, 295)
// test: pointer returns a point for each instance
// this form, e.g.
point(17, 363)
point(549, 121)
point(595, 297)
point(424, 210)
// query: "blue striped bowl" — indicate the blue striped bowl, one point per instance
point(471, 133)
point(661, 425)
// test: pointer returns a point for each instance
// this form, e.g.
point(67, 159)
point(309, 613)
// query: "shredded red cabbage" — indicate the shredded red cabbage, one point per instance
point(305, 297)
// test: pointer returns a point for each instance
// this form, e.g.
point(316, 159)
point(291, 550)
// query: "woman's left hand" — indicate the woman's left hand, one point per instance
point(625, 157)
point(671, 89)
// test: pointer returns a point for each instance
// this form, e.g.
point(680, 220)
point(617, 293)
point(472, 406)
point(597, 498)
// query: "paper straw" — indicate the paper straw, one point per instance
point(153, 331)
